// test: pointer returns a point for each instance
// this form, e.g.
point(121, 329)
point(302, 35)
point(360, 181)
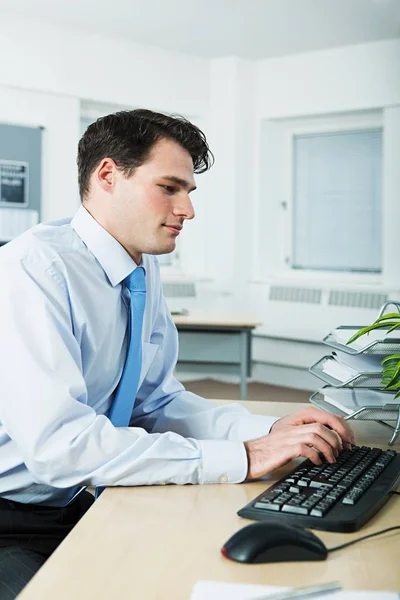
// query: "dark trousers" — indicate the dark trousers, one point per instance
point(29, 534)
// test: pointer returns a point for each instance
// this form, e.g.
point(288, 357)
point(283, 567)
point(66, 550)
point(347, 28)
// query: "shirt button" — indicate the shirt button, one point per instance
point(223, 479)
point(163, 483)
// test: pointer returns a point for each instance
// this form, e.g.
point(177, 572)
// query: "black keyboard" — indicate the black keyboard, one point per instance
point(333, 497)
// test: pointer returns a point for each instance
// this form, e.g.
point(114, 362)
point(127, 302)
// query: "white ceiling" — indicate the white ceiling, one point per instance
point(250, 29)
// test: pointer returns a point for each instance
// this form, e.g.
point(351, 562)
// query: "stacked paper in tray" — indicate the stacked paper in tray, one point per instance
point(351, 400)
point(348, 368)
point(353, 373)
point(357, 364)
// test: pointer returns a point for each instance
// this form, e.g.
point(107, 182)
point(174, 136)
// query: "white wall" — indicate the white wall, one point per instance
point(60, 60)
point(231, 135)
point(343, 79)
point(45, 71)
point(243, 94)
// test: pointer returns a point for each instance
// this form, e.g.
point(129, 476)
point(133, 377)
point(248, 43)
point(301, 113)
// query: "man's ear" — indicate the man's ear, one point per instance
point(105, 174)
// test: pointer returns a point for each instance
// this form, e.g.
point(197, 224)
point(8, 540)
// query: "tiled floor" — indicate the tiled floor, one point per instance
point(210, 388)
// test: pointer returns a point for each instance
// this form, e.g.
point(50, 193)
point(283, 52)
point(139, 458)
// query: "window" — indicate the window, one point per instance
point(327, 198)
point(337, 196)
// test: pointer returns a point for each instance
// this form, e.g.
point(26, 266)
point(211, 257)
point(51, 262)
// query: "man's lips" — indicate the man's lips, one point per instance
point(174, 228)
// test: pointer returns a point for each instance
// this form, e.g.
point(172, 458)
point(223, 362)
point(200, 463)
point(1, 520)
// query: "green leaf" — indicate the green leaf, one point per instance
point(391, 357)
point(391, 371)
point(392, 387)
point(388, 316)
point(395, 377)
point(391, 366)
point(365, 330)
point(388, 374)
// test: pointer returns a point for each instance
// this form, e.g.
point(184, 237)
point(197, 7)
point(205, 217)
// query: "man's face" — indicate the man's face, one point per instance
point(147, 211)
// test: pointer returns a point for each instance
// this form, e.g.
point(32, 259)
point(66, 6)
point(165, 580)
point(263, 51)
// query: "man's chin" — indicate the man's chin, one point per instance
point(161, 251)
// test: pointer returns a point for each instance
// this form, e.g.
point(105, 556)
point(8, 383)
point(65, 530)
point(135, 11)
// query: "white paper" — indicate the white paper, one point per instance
point(362, 363)
point(350, 400)
point(14, 221)
point(216, 590)
point(337, 370)
point(342, 336)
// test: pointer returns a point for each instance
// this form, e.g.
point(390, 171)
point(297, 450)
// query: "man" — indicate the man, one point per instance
point(66, 326)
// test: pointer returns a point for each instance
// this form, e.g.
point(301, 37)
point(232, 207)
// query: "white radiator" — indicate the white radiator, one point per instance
point(309, 313)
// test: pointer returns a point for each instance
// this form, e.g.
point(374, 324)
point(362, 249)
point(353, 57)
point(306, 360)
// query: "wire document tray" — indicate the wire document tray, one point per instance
point(376, 343)
point(337, 374)
point(361, 405)
point(353, 373)
point(375, 347)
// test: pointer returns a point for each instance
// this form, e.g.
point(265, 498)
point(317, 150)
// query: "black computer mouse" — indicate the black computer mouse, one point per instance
point(267, 541)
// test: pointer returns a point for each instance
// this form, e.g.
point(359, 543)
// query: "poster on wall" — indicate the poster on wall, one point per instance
point(14, 183)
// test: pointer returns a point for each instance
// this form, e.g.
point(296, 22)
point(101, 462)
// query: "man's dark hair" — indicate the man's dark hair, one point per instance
point(128, 137)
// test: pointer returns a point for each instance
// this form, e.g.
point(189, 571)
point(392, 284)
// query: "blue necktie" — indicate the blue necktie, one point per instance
point(125, 396)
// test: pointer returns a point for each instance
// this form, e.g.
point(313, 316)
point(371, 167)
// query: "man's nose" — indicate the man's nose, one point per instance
point(184, 207)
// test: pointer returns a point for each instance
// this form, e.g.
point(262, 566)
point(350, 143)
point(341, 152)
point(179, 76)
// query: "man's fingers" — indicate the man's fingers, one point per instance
point(336, 423)
point(315, 441)
point(328, 435)
point(302, 449)
point(312, 433)
point(286, 453)
point(341, 426)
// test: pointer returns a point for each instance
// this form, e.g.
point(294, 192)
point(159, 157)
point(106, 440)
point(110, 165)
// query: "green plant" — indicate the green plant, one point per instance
point(390, 364)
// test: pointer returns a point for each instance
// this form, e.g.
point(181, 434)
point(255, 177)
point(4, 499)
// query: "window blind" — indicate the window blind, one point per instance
point(337, 190)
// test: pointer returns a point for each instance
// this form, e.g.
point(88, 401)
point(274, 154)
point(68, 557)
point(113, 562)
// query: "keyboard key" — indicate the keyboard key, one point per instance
point(270, 495)
point(319, 511)
point(310, 503)
point(353, 496)
point(296, 510)
point(279, 501)
point(320, 485)
point(304, 482)
point(265, 506)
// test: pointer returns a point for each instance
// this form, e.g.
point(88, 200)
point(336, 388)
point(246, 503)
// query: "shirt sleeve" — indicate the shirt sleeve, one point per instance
point(44, 405)
point(163, 405)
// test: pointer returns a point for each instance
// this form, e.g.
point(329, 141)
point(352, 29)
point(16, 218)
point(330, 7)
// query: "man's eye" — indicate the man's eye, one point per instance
point(169, 189)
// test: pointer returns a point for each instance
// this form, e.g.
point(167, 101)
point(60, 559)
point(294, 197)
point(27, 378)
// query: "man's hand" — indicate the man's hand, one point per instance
point(306, 433)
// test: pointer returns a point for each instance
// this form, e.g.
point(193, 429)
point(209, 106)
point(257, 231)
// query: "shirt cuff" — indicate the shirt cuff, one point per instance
point(222, 461)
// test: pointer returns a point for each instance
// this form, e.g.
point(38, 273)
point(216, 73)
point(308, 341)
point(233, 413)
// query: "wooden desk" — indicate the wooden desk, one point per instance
point(154, 543)
point(212, 337)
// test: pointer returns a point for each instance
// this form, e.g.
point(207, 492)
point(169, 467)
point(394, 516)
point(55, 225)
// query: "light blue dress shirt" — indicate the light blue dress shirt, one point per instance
point(63, 342)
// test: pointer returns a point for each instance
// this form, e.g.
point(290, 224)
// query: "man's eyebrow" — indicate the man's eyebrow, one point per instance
point(182, 182)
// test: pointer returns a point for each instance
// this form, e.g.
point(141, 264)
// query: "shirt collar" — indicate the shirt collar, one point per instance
point(113, 258)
